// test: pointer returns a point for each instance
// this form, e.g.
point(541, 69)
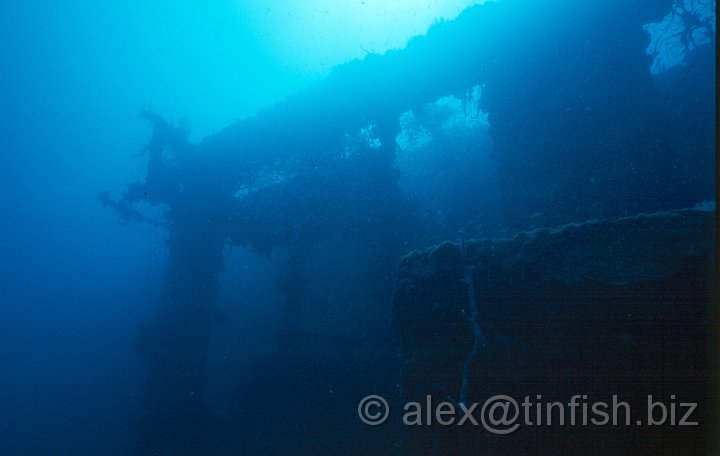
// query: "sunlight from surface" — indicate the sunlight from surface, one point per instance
point(312, 36)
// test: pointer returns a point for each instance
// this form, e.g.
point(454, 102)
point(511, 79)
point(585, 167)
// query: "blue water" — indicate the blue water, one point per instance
point(516, 115)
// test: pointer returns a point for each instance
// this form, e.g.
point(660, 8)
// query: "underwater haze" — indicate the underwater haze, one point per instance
point(208, 209)
point(75, 76)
